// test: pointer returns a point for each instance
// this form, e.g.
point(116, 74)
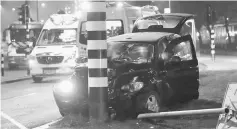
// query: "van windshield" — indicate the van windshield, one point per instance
point(157, 23)
point(57, 37)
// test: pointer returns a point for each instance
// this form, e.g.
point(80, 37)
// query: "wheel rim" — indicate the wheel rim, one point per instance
point(152, 104)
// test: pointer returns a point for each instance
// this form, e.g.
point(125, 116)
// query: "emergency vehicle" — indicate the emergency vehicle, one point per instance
point(64, 39)
point(221, 36)
point(17, 46)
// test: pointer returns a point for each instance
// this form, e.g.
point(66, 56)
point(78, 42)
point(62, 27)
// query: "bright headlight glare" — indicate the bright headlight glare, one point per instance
point(133, 87)
point(136, 86)
point(31, 62)
point(32, 57)
point(65, 86)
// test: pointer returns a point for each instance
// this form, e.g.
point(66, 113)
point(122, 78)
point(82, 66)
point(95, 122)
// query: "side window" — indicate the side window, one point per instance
point(114, 28)
point(186, 28)
point(184, 51)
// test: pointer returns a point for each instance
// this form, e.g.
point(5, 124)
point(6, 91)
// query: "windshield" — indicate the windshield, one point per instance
point(130, 52)
point(57, 37)
point(157, 23)
point(113, 28)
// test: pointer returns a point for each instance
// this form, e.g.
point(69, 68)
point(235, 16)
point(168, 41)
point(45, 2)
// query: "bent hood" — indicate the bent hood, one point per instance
point(64, 50)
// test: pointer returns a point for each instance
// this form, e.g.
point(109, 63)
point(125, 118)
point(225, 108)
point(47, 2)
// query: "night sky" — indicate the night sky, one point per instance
point(198, 8)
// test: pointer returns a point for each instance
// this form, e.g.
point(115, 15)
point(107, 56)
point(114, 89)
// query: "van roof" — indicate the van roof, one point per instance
point(57, 21)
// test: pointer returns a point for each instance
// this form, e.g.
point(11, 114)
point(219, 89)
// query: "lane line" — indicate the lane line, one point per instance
point(19, 96)
point(19, 125)
point(45, 126)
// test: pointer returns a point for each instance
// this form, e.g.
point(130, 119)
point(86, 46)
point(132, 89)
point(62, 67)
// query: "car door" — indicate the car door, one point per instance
point(181, 68)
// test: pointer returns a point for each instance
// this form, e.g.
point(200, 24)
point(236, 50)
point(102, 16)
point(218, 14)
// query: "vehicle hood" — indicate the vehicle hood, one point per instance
point(139, 37)
point(54, 50)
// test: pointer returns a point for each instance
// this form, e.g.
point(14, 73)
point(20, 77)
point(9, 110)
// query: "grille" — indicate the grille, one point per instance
point(50, 59)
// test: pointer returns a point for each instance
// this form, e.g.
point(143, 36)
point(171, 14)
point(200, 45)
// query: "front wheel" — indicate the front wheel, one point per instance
point(148, 102)
point(37, 79)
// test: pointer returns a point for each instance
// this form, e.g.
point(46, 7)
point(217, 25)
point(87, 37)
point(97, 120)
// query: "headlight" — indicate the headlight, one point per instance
point(65, 86)
point(31, 57)
point(133, 86)
point(31, 60)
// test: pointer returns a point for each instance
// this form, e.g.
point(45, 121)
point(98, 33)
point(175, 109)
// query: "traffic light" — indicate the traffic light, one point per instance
point(27, 13)
point(22, 14)
point(208, 16)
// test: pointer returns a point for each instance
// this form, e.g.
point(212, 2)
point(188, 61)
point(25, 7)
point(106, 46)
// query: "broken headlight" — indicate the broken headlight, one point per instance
point(133, 86)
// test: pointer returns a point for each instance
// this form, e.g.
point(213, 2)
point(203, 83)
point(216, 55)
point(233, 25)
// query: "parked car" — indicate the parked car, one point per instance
point(146, 71)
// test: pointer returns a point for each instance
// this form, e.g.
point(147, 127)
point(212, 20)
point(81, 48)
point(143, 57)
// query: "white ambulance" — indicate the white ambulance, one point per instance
point(63, 40)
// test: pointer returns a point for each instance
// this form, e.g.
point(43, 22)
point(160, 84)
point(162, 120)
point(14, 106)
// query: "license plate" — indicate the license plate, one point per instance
point(49, 71)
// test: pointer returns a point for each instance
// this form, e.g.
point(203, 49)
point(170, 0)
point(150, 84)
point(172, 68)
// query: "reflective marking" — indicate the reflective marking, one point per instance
point(93, 44)
point(93, 63)
point(100, 7)
point(19, 125)
point(95, 25)
point(98, 82)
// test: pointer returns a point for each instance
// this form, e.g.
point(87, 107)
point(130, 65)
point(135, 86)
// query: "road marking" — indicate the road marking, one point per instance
point(20, 96)
point(19, 125)
point(45, 126)
point(26, 95)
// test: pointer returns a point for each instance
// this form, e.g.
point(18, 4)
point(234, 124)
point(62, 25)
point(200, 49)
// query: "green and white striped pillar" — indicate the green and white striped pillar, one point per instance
point(97, 60)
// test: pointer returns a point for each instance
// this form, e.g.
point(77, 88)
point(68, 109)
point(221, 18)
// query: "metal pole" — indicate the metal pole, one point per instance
point(2, 63)
point(37, 9)
point(97, 61)
point(169, 6)
point(183, 113)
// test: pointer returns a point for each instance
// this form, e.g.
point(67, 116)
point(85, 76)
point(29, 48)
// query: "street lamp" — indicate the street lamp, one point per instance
point(42, 5)
point(13, 9)
point(85, 6)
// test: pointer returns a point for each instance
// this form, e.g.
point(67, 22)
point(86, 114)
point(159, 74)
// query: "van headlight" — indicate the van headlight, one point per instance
point(133, 86)
point(64, 87)
point(31, 60)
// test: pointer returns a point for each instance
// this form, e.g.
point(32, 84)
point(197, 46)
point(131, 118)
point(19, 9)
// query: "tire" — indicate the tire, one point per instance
point(37, 79)
point(148, 103)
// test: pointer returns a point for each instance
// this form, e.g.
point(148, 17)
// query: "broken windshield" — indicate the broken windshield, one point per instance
point(130, 52)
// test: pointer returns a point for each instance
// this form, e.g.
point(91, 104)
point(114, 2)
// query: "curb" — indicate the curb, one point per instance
point(16, 80)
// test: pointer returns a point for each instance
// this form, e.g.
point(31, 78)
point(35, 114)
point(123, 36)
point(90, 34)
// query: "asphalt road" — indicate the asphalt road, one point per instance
point(28, 104)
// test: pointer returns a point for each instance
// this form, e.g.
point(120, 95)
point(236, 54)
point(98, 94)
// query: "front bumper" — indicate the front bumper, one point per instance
point(51, 70)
